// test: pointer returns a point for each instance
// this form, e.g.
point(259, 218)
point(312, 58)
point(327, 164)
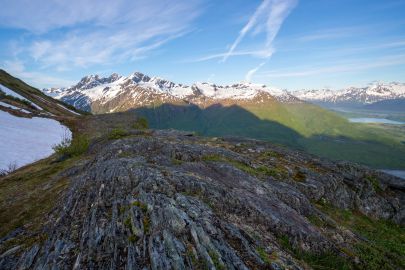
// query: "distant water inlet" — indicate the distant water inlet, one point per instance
point(375, 120)
point(397, 173)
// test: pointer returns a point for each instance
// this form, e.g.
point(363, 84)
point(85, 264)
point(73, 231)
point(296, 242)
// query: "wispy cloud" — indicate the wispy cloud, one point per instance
point(335, 33)
point(83, 33)
point(253, 71)
point(268, 18)
point(43, 16)
point(253, 53)
point(343, 67)
point(17, 68)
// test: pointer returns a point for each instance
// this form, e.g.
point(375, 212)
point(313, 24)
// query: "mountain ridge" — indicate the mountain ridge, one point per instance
point(101, 90)
point(355, 96)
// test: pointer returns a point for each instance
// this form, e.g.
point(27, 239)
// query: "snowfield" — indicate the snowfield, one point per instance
point(25, 140)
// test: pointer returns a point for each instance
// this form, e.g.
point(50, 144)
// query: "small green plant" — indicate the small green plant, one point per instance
point(142, 206)
point(317, 221)
point(117, 133)
point(176, 161)
point(284, 241)
point(213, 158)
point(72, 147)
point(191, 255)
point(141, 123)
point(124, 155)
point(215, 259)
point(269, 154)
point(127, 222)
point(146, 224)
point(299, 176)
point(374, 182)
point(133, 238)
point(263, 255)
point(122, 209)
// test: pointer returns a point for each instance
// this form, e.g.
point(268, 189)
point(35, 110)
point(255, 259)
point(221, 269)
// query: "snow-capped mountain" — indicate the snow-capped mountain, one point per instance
point(118, 93)
point(353, 95)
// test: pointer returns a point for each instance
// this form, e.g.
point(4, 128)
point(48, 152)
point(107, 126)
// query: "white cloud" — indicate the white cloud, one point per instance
point(36, 79)
point(81, 33)
point(343, 67)
point(42, 16)
point(255, 53)
point(335, 33)
point(268, 18)
point(253, 71)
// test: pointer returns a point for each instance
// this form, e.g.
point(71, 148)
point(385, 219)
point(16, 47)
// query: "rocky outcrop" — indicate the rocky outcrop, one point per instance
point(171, 200)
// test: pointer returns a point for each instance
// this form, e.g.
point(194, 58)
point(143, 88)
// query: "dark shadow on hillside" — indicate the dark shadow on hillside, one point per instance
point(218, 120)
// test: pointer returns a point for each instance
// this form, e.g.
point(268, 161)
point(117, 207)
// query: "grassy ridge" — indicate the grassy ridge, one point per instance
point(47, 103)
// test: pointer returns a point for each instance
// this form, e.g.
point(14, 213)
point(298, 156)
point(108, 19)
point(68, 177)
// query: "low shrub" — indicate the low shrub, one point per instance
point(117, 133)
point(72, 148)
point(141, 123)
point(12, 166)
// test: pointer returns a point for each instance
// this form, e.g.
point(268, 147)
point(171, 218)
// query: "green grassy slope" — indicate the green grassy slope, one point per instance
point(302, 126)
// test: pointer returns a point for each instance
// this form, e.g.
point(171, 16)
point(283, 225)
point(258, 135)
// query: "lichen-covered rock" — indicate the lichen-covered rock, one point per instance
point(169, 200)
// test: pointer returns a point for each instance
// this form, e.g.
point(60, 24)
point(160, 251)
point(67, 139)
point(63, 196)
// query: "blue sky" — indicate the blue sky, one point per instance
point(290, 44)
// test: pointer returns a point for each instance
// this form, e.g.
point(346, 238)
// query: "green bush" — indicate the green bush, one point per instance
point(72, 148)
point(117, 133)
point(141, 123)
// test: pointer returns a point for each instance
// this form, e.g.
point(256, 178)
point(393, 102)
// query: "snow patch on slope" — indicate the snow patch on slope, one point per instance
point(25, 140)
point(69, 110)
point(10, 92)
point(13, 107)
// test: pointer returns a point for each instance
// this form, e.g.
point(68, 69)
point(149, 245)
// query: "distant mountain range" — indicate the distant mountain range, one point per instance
point(118, 93)
point(355, 97)
point(389, 105)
